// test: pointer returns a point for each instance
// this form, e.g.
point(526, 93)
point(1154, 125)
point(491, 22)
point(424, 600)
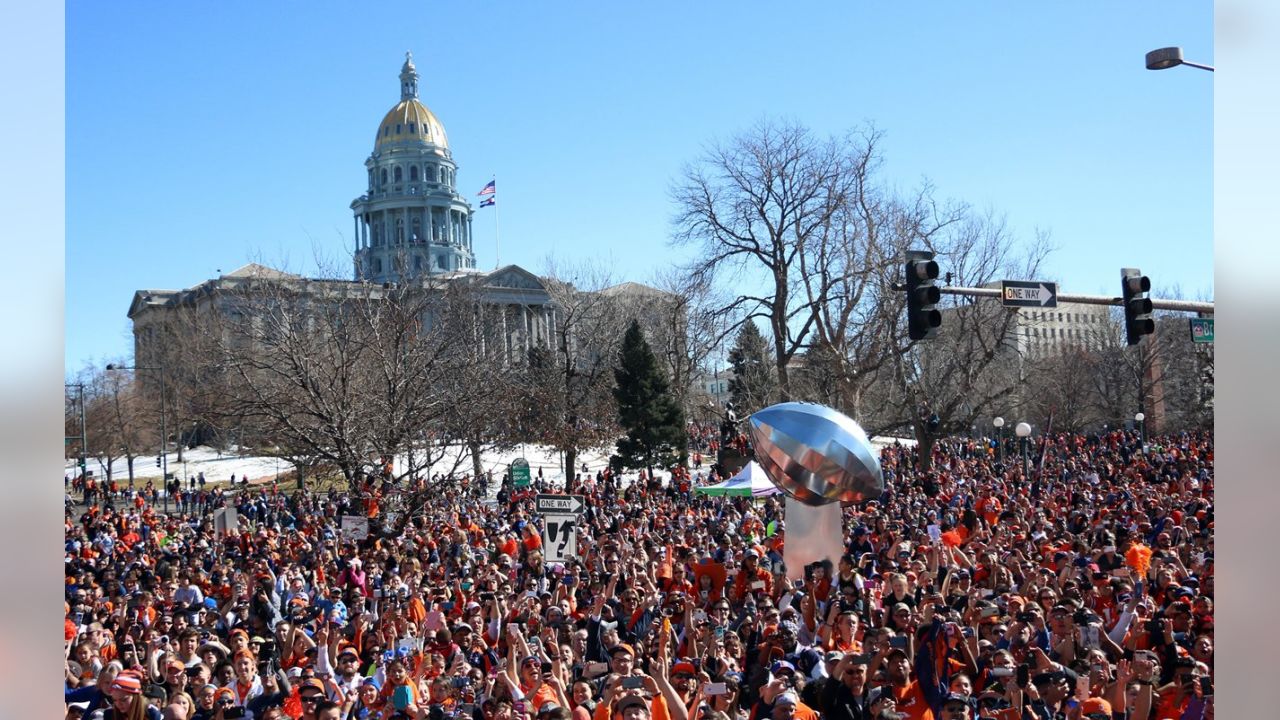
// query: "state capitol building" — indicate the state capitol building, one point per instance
point(411, 227)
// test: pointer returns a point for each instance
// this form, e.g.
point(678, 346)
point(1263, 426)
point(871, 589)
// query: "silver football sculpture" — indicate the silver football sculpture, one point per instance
point(815, 454)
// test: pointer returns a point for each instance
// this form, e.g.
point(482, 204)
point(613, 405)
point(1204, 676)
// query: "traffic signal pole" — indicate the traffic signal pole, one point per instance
point(1178, 305)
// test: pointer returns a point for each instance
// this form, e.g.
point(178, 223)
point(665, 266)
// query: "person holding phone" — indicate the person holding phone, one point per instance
point(751, 578)
point(841, 696)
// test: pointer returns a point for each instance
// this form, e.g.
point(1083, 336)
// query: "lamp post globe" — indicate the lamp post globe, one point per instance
point(1023, 431)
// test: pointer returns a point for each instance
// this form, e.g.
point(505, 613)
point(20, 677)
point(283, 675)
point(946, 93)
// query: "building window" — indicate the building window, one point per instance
point(397, 128)
point(398, 173)
point(440, 263)
point(412, 129)
point(386, 131)
point(431, 173)
point(417, 262)
point(413, 173)
point(417, 230)
point(384, 177)
point(377, 265)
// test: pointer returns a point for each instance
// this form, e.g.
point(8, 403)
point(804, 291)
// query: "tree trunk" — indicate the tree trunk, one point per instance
point(473, 446)
point(924, 447)
point(571, 464)
point(129, 463)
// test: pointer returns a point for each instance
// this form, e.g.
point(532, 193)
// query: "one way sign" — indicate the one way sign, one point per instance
point(546, 504)
point(1028, 293)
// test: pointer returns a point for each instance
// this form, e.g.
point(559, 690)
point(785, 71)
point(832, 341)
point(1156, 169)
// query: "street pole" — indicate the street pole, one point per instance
point(164, 447)
point(999, 423)
point(84, 436)
point(1180, 305)
point(1023, 431)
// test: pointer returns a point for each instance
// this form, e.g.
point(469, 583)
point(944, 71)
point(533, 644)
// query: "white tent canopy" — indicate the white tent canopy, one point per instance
point(749, 482)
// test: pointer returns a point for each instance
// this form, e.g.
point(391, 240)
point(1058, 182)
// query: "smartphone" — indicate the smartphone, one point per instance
point(1023, 675)
point(798, 584)
point(596, 668)
point(1025, 617)
point(1082, 688)
point(518, 707)
point(466, 710)
point(1001, 672)
point(898, 641)
point(989, 612)
point(987, 592)
point(233, 712)
point(631, 682)
point(447, 606)
point(715, 689)
point(757, 585)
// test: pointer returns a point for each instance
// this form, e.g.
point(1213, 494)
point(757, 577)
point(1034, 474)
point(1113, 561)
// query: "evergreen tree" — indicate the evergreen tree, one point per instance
point(752, 386)
point(647, 411)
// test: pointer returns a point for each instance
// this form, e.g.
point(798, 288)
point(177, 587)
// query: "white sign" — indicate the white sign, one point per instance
point(225, 520)
point(935, 533)
point(560, 538)
point(354, 527)
point(546, 504)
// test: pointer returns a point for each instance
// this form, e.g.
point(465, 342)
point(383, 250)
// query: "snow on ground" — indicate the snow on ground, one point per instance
point(219, 466)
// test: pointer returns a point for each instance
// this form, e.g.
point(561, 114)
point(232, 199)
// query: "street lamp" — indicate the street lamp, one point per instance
point(1023, 431)
point(1165, 58)
point(1141, 419)
point(164, 437)
point(999, 423)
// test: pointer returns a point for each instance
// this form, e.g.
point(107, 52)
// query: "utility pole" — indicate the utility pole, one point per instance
point(83, 434)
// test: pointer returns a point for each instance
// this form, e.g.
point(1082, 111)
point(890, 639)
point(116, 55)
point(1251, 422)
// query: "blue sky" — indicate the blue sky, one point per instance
point(201, 136)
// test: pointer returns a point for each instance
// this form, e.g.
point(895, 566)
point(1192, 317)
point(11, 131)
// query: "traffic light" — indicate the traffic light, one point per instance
point(157, 461)
point(1137, 306)
point(923, 317)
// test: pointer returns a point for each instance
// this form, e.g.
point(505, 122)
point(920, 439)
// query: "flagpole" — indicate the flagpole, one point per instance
point(497, 237)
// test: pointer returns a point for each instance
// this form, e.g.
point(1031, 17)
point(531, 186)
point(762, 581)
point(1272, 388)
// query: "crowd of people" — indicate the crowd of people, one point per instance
point(1083, 590)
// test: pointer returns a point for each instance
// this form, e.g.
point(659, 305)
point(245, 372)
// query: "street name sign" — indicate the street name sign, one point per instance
point(1201, 330)
point(520, 473)
point(1028, 293)
point(546, 504)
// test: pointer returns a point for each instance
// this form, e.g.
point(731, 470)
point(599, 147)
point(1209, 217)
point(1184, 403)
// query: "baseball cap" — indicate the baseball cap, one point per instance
point(310, 683)
point(782, 666)
point(622, 647)
point(787, 698)
point(1096, 707)
point(684, 668)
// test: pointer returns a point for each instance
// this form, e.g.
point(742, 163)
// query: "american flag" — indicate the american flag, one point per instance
point(492, 200)
point(489, 189)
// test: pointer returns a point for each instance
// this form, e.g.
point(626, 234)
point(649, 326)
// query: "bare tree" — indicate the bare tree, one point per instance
point(973, 367)
point(342, 373)
point(750, 208)
point(569, 385)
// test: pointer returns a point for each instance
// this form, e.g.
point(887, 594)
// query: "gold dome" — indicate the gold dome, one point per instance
point(410, 121)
